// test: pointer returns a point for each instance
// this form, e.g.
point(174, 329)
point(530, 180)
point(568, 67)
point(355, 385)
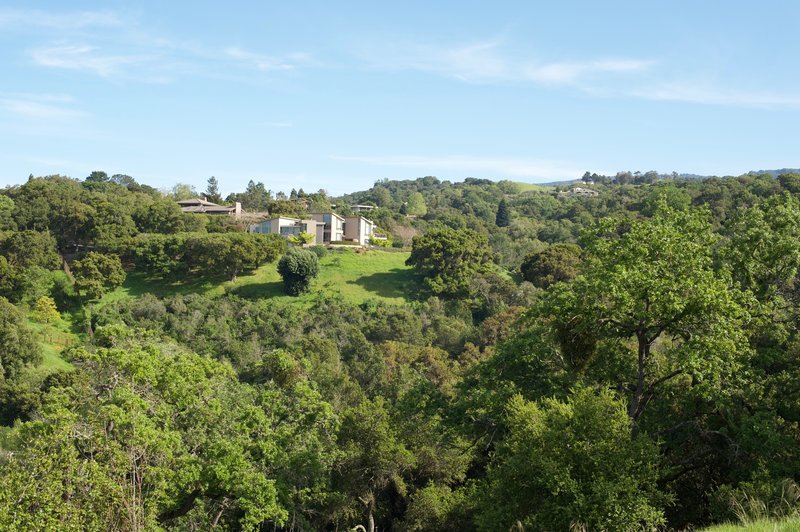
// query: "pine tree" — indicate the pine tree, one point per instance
point(502, 219)
point(212, 190)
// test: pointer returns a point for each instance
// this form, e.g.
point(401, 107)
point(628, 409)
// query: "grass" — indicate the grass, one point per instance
point(786, 525)
point(54, 338)
point(355, 276)
point(531, 187)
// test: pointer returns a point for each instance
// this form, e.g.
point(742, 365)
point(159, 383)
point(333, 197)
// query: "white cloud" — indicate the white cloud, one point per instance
point(710, 95)
point(41, 107)
point(264, 62)
point(83, 57)
point(476, 166)
point(62, 21)
point(485, 62)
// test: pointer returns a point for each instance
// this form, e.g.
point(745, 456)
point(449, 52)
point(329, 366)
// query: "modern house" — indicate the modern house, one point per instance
point(286, 227)
point(362, 208)
point(358, 229)
point(202, 206)
point(327, 228)
point(332, 228)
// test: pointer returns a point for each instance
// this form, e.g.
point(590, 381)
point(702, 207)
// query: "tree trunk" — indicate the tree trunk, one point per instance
point(635, 408)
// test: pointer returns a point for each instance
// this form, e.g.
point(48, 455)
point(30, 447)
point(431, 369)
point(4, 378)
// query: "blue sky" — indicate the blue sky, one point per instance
point(336, 95)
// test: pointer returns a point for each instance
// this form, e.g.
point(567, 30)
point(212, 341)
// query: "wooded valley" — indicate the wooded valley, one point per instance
point(619, 353)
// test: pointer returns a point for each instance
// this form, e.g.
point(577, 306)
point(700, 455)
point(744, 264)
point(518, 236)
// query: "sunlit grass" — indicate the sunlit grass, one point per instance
point(53, 338)
point(788, 525)
point(355, 276)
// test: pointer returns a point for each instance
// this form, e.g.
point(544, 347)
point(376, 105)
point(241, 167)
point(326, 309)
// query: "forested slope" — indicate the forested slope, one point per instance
point(525, 357)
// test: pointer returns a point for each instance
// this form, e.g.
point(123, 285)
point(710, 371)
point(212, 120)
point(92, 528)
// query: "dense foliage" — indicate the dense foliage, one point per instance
point(618, 361)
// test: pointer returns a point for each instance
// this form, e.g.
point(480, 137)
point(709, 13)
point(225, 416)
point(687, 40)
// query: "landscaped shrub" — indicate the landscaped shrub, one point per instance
point(298, 267)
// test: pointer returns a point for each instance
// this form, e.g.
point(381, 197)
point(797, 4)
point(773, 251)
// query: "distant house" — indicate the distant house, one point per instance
point(202, 206)
point(332, 228)
point(358, 229)
point(580, 192)
point(327, 228)
point(362, 208)
point(286, 227)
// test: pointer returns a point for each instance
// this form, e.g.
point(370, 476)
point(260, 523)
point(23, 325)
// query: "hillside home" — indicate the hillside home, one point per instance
point(362, 208)
point(581, 192)
point(286, 227)
point(332, 228)
point(358, 229)
point(202, 206)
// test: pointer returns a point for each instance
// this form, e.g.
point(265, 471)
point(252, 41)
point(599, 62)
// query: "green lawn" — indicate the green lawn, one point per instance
point(54, 338)
point(788, 525)
point(357, 277)
point(531, 187)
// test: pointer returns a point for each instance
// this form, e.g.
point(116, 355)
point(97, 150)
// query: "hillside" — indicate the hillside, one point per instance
point(507, 342)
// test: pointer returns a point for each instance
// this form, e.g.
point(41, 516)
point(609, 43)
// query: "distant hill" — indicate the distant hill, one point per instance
point(773, 173)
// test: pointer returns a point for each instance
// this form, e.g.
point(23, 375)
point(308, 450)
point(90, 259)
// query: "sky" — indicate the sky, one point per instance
point(337, 95)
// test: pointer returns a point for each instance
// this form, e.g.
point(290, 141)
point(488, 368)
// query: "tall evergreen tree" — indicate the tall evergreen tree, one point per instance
point(502, 219)
point(212, 190)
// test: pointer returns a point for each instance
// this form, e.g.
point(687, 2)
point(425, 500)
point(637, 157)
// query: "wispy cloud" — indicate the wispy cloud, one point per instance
point(62, 21)
point(264, 62)
point(117, 44)
point(703, 93)
point(487, 62)
point(475, 166)
point(40, 106)
point(84, 57)
point(284, 124)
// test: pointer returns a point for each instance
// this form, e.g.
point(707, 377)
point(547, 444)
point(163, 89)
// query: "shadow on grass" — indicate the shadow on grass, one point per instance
point(396, 283)
point(137, 284)
point(258, 290)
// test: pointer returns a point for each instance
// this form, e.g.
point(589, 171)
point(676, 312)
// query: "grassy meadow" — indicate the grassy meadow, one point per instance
point(357, 276)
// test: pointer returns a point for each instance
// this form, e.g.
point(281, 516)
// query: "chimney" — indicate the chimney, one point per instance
point(237, 209)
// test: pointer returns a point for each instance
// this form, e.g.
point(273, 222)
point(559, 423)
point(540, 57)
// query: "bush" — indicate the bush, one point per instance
point(382, 243)
point(298, 267)
point(319, 251)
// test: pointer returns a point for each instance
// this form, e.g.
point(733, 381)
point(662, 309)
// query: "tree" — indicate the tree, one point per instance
point(373, 457)
point(502, 219)
point(45, 310)
point(7, 213)
point(573, 464)
point(28, 249)
point(212, 190)
point(18, 346)
point(182, 191)
point(555, 263)
point(416, 205)
point(302, 238)
point(151, 437)
point(97, 177)
point(448, 258)
point(97, 273)
point(652, 299)
point(790, 182)
point(160, 216)
point(297, 268)
point(230, 253)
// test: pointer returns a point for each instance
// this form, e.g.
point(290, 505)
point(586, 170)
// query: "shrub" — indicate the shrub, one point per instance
point(319, 251)
point(298, 267)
